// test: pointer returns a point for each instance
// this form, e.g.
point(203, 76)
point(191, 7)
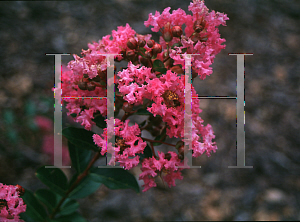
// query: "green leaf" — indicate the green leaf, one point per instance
point(115, 178)
point(48, 198)
point(80, 157)
point(80, 138)
point(34, 209)
point(147, 153)
point(9, 117)
point(86, 187)
point(161, 70)
point(69, 207)
point(176, 44)
point(158, 64)
point(142, 112)
point(75, 217)
point(141, 55)
point(142, 49)
point(184, 50)
point(54, 178)
point(100, 121)
point(159, 137)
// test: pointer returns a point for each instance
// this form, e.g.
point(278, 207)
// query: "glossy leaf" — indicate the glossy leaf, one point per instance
point(100, 121)
point(80, 157)
point(80, 138)
point(75, 217)
point(54, 178)
point(34, 209)
point(48, 198)
point(69, 207)
point(86, 187)
point(115, 178)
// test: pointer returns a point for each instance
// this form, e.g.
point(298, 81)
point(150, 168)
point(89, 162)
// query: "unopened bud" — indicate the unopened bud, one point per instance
point(148, 54)
point(150, 43)
point(167, 33)
point(144, 61)
point(157, 48)
point(177, 31)
point(141, 43)
point(20, 190)
point(199, 25)
point(130, 53)
point(131, 43)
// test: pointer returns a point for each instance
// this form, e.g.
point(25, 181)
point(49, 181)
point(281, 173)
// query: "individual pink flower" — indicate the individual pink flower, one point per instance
point(166, 165)
point(127, 145)
point(11, 205)
point(133, 81)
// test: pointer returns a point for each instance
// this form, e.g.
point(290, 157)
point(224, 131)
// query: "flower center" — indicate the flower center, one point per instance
point(121, 142)
point(171, 99)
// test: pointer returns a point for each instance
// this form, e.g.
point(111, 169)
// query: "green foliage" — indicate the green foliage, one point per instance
point(159, 66)
point(80, 157)
point(80, 138)
point(115, 178)
point(54, 178)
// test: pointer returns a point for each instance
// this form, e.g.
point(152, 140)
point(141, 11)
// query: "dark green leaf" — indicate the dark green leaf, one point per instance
point(80, 157)
point(161, 70)
point(176, 44)
point(184, 50)
point(86, 187)
point(142, 55)
point(115, 178)
point(100, 121)
point(159, 137)
point(158, 64)
point(142, 112)
point(33, 208)
point(54, 178)
point(75, 217)
point(69, 207)
point(48, 198)
point(142, 49)
point(80, 138)
point(73, 115)
point(147, 153)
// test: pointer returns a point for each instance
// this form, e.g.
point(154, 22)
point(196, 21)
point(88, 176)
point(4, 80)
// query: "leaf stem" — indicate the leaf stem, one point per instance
point(78, 180)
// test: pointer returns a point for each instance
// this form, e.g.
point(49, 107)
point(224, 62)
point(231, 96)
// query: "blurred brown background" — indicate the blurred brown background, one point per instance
point(268, 29)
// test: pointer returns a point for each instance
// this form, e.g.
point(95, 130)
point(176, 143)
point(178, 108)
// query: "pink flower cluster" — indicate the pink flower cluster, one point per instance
point(144, 82)
point(201, 35)
point(11, 205)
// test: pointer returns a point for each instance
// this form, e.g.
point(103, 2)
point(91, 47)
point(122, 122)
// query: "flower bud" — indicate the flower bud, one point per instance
point(150, 43)
point(199, 25)
point(127, 107)
point(167, 33)
point(130, 54)
point(90, 86)
point(20, 190)
point(177, 31)
point(96, 79)
point(82, 85)
point(157, 48)
point(131, 43)
point(148, 54)
point(141, 43)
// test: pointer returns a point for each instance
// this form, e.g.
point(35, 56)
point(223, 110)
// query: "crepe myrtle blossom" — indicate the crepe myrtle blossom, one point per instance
point(128, 143)
point(11, 205)
point(166, 165)
point(201, 35)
